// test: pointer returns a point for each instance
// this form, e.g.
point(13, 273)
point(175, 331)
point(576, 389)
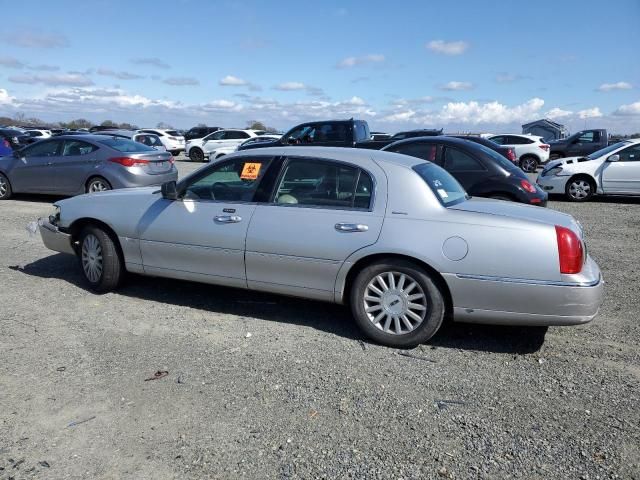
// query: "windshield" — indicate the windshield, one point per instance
point(125, 145)
point(606, 150)
point(446, 188)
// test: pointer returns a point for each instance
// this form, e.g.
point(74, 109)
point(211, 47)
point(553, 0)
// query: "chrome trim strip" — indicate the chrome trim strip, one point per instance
point(489, 278)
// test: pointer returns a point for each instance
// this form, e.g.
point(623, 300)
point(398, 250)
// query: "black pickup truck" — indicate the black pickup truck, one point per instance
point(336, 133)
point(579, 144)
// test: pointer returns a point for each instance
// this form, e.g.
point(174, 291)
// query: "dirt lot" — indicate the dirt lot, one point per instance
point(304, 396)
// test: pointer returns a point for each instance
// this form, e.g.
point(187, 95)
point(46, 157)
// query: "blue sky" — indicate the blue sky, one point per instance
point(473, 66)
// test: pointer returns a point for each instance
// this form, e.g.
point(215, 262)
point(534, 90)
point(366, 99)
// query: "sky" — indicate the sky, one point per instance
point(463, 66)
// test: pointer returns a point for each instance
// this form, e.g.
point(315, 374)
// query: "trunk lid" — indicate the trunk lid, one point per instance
point(159, 162)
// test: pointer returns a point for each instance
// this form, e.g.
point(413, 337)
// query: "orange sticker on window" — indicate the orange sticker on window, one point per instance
point(250, 171)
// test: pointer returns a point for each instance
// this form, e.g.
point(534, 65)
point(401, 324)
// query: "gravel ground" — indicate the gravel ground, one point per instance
point(261, 386)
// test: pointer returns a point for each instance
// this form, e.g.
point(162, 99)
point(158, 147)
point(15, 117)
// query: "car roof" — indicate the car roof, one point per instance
point(444, 139)
point(354, 155)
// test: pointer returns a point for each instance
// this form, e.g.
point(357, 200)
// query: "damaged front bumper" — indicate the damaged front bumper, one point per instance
point(55, 239)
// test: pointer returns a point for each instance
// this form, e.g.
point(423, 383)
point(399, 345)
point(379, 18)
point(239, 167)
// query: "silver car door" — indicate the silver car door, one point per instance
point(73, 166)
point(321, 212)
point(31, 171)
point(201, 236)
point(623, 176)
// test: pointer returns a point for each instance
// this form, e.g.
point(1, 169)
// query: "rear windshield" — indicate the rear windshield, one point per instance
point(446, 188)
point(499, 159)
point(125, 145)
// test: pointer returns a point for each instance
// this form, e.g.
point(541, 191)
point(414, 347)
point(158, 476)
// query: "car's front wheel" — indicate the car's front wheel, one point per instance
point(529, 163)
point(100, 259)
point(196, 155)
point(397, 303)
point(5, 188)
point(580, 189)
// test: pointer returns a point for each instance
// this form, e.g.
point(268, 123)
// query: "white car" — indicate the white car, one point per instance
point(531, 150)
point(227, 138)
point(222, 151)
point(171, 139)
point(193, 148)
point(613, 170)
point(38, 134)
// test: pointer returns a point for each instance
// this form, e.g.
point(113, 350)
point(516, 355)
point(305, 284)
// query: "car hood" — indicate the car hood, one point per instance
point(117, 193)
point(567, 161)
point(519, 211)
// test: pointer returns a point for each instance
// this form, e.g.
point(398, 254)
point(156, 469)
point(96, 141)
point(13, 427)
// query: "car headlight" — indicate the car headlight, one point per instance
point(553, 171)
point(54, 218)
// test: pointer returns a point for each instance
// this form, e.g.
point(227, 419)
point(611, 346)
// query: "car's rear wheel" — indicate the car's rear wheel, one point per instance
point(580, 189)
point(196, 155)
point(100, 259)
point(397, 303)
point(529, 163)
point(5, 188)
point(98, 184)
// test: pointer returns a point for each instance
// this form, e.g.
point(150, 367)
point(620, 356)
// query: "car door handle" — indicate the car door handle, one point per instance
point(351, 227)
point(227, 219)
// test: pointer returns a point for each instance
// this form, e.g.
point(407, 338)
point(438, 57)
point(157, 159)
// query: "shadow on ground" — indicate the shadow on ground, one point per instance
point(331, 318)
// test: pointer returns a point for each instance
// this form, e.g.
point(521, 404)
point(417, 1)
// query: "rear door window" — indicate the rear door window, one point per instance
point(76, 147)
point(43, 149)
point(426, 151)
point(458, 161)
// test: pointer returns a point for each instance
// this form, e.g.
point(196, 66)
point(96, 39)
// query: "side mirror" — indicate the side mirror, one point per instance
point(613, 158)
point(169, 190)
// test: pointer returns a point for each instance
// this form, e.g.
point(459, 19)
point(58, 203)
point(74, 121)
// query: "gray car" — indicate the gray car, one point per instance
point(394, 237)
point(76, 164)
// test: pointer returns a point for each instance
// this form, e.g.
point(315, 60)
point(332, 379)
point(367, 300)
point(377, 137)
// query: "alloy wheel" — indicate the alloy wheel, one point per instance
point(529, 165)
point(92, 261)
point(98, 186)
point(3, 186)
point(580, 189)
point(395, 303)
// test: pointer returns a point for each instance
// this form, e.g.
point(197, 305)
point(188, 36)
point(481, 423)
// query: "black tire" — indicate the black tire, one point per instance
point(196, 155)
point(580, 188)
point(98, 184)
point(109, 276)
point(529, 163)
point(175, 153)
point(434, 305)
point(5, 188)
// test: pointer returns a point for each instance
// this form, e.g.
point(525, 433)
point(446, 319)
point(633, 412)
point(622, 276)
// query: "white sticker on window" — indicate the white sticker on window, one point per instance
point(442, 193)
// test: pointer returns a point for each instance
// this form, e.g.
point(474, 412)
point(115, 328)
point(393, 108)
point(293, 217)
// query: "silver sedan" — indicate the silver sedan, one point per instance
point(394, 237)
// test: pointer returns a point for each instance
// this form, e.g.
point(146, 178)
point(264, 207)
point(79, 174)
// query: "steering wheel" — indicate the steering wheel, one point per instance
point(221, 187)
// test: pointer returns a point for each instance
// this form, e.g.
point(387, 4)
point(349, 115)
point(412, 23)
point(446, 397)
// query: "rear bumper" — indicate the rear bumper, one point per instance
point(54, 239)
point(126, 179)
point(493, 300)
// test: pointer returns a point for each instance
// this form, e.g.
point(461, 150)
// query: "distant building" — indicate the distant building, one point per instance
point(545, 128)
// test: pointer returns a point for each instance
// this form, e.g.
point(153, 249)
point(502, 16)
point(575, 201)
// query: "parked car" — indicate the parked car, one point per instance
point(171, 139)
point(100, 128)
point(421, 132)
point(148, 139)
point(5, 148)
point(230, 137)
point(17, 138)
point(76, 164)
point(579, 144)
point(395, 237)
point(193, 148)
point(328, 133)
point(507, 152)
point(36, 134)
point(216, 154)
point(481, 171)
point(199, 132)
point(613, 170)
point(380, 136)
point(72, 132)
point(531, 151)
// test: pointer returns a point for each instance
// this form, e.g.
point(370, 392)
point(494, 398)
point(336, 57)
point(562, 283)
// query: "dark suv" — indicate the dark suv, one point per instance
point(199, 132)
point(481, 171)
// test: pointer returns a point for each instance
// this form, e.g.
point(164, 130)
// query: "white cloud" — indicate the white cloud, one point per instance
point(607, 87)
point(68, 79)
point(107, 72)
point(5, 98)
point(181, 81)
point(590, 113)
point(35, 38)
point(630, 109)
point(151, 61)
point(456, 86)
point(231, 81)
point(505, 77)
point(350, 62)
point(401, 116)
point(556, 112)
point(447, 48)
point(288, 86)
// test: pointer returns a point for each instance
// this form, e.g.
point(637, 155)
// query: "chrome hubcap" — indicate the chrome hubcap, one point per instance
point(580, 189)
point(98, 186)
point(3, 187)
point(395, 303)
point(92, 258)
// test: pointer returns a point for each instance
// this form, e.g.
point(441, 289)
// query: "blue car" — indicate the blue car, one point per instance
point(5, 148)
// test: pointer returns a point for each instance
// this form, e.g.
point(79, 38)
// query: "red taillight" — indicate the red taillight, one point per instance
point(172, 160)
point(535, 200)
point(569, 250)
point(544, 147)
point(128, 161)
point(511, 155)
point(527, 186)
